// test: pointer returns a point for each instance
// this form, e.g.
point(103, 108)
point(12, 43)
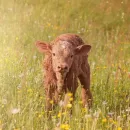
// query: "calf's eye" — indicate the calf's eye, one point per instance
point(53, 54)
point(71, 56)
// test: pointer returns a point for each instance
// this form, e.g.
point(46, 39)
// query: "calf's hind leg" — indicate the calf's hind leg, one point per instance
point(85, 92)
point(48, 98)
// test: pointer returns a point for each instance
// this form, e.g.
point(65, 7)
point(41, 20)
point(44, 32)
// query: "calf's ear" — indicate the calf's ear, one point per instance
point(43, 47)
point(82, 50)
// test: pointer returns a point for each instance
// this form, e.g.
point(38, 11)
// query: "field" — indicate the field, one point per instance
point(105, 25)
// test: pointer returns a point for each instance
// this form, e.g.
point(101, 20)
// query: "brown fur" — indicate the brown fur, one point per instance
point(79, 70)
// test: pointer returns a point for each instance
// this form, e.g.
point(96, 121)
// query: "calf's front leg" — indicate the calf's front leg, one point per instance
point(85, 92)
point(49, 98)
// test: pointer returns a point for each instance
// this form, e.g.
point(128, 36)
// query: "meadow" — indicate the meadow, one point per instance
point(104, 24)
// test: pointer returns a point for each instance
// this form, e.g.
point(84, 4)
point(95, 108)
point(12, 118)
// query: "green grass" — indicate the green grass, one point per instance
point(103, 24)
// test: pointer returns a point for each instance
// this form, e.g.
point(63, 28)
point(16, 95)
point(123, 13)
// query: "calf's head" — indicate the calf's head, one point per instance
point(63, 54)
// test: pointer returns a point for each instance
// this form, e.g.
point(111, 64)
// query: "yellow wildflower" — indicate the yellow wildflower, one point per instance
point(65, 126)
point(119, 128)
point(62, 126)
point(114, 122)
point(104, 120)
point(53, 117)
point(70, 94)
point(59, 114)
point(111, 120)
point(17, 38)
point(36, 112)
point(30, 90)
point(69, 105)
point(124, 115)
point(51, 102)
point(115, 91)
point(84, 110)
point(80, 102)
point(42, 113)
point(40, 116)
point(71, 99)
point(104, 67)
point(41, 97)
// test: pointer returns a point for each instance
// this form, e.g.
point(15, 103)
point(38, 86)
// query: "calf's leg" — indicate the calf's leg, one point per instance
point(85, 92)
point(49, 97)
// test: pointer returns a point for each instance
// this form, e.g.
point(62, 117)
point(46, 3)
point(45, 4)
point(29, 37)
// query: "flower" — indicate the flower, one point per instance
point(111, 120)
point(30, 90)
point(65, 126)
point(80, 102)
point(128, 109)
point(39, 115)
point(51, 102)
point(17, 38)
point(70, 94)
point(104, 102)
point(110, 113)
point(69, 105)
point(84, 110)
point(104, 67)
point(59, 114)
point(61, 103)
point(34, 57)
point(71, 99)
point(15, 110)
point(119, 128)
point(54, 117)
point(114, 122)
point(88, 116)
point(104, 120)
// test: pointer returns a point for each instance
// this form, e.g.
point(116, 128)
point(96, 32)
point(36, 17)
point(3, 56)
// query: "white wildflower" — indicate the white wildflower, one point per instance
point(61, 103)
point(110, 113)
point(104, 102)
point(21, 75)
point(15, 110)
point(88, 116)
point(128, 109)
point(34, 57)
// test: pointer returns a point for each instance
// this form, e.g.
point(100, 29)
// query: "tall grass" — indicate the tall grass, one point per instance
point(103, 24)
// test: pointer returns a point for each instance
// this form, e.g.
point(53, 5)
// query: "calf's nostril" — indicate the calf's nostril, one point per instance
point(62, 68)
point(59, 67)
point(65, 67)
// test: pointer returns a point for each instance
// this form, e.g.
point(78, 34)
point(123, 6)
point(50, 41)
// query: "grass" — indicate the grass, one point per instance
point(103, 24)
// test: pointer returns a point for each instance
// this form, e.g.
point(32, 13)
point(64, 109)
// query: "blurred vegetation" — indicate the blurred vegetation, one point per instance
point(103, 24)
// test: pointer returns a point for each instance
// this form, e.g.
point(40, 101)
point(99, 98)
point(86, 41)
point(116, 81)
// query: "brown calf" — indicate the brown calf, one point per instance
point(66, 60)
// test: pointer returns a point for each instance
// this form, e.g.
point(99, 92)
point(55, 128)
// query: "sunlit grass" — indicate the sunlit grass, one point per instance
point(100, 23)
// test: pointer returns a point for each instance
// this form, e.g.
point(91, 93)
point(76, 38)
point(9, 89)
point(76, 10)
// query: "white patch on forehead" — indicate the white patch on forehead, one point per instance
point(64, 44)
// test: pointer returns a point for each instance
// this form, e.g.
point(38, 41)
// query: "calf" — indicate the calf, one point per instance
point(66, 61)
